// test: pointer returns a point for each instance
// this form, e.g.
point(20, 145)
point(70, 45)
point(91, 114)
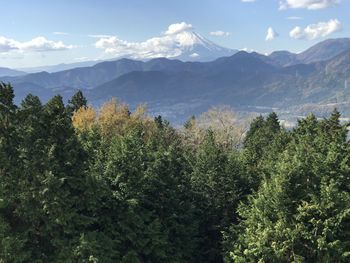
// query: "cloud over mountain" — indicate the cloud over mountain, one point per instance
point(177, 40)
point(271, 34)
point(220, 33)
point(178, 28)
point(308, 4)
point(313, 31)
point(38, 44)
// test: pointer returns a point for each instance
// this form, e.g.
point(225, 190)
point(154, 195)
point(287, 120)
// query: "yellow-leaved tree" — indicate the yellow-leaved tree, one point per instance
point(84, 118)
point(114, 117)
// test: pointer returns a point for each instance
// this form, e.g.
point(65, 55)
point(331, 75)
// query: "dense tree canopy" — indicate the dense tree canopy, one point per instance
point(80, 184)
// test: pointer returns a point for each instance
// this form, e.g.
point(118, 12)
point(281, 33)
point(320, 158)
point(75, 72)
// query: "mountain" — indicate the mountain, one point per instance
point(10, 72)
point(82, 78)
point(178, 94)
point(249, 82)
point(90, 77)
point(284, 58)
point(324, 50)
point(190, 46)
point(194, 47)
point(246, 81)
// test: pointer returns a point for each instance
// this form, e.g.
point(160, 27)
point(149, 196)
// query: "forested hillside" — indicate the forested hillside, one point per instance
point(111, 185)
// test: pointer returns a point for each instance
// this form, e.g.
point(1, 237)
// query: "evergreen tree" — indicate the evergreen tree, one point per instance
point(262, 145)
point(11, 238)
point(63, 189)
point(301, 214)
point(77, 101)
point(219, 183)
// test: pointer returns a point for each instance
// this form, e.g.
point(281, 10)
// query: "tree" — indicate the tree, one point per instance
point(226, 125)
point(262, 144)
point(11, 240)
point(64, 188)
point(145, 200)
point(77, 101)
point(84, 119)
point(218, 180)
point(301, 213)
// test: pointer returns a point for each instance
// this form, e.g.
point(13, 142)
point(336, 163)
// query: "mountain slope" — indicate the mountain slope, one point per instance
point(10, 72)
point(322, 51)
point(284, 58)
point(89, 77)
point(244, 81)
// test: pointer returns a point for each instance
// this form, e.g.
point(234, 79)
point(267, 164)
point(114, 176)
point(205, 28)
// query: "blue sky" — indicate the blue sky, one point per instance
point(35, 33)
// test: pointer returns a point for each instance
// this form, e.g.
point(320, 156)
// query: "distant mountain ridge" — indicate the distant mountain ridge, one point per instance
point(60, 67)
point(324, 50)
point(10, 72)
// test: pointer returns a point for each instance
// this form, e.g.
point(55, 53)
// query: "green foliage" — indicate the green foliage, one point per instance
point(218, 181)
point(138, 190)
point(43, 185)
point(301, 213)
point(262, 145)
point(78, 101)
point(142, 185)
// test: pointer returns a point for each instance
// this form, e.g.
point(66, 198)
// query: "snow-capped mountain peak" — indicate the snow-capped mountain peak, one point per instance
point(178, 42)
point(193, 46)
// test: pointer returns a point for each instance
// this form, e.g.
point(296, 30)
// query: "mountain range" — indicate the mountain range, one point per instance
point(10, 72)
point(319, 52)
point(292, 84)
point(188, 46)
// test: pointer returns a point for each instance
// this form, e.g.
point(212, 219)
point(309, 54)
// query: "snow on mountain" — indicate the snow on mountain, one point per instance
point(178, 42)
point(195, 47)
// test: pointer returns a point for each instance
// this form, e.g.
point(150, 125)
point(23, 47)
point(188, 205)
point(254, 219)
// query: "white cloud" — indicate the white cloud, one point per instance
point(99, 36)
point(249, 50)
point(41, 44)
point(220, 33)
point(294, 18)
point(308, 4)
point(7, 44)
point(38, 44)
point(313, 31)
point(297, 33)
point(60, 33)
point(178, 28)
point(170, 44)
point(194, 55)
point(271, 34)
point(248, 1)
point(82, 59)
